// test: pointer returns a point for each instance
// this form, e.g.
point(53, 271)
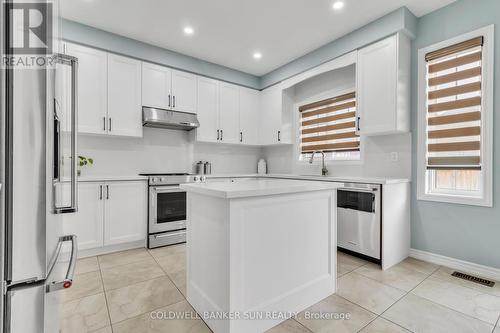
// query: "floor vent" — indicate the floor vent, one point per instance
point(475, 279)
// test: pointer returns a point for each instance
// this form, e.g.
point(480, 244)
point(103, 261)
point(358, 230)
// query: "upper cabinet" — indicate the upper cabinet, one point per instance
point(109, 92)
point(229, 115)
point(275, 117)
point(156, 86)
point(124, 96)
point(383, 87)
point(169, 89)
point(92, 88)
point(249, 116)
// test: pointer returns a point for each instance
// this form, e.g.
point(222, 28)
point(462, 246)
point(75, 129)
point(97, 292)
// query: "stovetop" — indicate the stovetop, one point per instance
point(157, 178)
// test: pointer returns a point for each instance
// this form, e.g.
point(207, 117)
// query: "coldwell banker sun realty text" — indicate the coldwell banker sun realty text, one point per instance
point(30, 34)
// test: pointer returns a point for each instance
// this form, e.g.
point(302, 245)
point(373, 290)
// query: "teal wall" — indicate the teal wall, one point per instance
point(86, 35)
point(465, 232)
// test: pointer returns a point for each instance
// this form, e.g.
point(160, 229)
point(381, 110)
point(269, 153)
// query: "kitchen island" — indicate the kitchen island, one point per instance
point(259, 250)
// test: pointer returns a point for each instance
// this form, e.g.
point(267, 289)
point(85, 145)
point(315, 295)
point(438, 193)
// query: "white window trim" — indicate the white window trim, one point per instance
point(487, 110)
point(296, 120)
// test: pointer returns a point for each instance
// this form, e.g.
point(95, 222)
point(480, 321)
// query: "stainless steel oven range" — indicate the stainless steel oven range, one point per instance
point(167, 208)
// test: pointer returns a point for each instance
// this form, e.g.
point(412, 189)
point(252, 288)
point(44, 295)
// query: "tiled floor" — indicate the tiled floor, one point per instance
point(117, 293)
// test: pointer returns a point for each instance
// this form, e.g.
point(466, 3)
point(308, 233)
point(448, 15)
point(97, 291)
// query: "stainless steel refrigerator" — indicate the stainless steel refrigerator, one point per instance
point(38, 133)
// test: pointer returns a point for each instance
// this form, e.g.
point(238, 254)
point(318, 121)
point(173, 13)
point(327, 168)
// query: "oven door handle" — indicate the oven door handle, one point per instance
point(166, 189)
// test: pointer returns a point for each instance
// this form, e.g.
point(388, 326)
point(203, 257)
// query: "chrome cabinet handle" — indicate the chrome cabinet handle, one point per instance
point(241, 136)
point(104, 124)
point(168, 100)
point(221, 135)
point(100, 192)
point(218, 135)
point(107, 192)
point(173, 99)
point(73, 62)
point(279, 136)
point(109, 125)
point(357, 125)
point(68, 279)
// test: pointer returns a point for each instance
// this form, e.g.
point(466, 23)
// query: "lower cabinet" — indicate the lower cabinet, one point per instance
point(109, 213)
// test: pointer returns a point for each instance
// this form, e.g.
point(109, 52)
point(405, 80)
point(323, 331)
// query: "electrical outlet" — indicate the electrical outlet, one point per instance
point(394, 156)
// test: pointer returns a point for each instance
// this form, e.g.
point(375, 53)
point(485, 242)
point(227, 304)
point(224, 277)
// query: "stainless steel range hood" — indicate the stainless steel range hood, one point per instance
point(152, 117)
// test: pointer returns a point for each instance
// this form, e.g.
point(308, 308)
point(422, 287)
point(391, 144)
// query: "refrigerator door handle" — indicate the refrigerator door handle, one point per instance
point(73, 62)
point(68, 280)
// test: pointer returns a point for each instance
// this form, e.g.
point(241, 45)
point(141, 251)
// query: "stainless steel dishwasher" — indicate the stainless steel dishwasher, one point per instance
point(359, 219)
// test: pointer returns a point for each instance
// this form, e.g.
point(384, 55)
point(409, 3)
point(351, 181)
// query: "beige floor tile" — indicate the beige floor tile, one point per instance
point(123, 257)
point(399, 276)
point(444, 273)
point(173, 263)
point(420, 315)
point(86, 265)
point(419, 265)
point(139, 298)
point(368, 293)
point(289, 326)
point(85, 284)
point(104, 330)
point(85, 315)
point(168, 250)
point(381, 325)
point(335, 306)
point(347, 263)
point(144, 323)
point(179, 279)
point(468, 301)
point(124, 275)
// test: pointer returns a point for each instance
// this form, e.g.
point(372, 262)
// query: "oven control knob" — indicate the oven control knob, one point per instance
point(162, 179)
point(153, 180)
point(196, 179)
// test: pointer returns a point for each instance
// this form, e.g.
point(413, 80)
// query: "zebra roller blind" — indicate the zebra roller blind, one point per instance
point(454, 82)
point(329, 125)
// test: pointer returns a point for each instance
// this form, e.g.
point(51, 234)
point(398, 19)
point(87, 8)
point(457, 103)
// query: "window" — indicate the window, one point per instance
point(330, 126)
point(455, 121)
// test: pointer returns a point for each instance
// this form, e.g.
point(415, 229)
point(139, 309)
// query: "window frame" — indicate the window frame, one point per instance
point(297, 122)
point(487, 111)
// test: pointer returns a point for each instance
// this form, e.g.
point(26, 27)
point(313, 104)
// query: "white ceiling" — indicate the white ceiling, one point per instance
point(228, 32)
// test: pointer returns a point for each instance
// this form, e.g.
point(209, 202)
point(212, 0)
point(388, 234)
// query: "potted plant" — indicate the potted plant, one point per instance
point(84, 161)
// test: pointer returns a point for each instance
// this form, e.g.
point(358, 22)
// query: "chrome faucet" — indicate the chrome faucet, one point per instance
point(324, 170)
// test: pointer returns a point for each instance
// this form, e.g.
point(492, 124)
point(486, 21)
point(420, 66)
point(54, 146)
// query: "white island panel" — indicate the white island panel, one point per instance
point(257, 256)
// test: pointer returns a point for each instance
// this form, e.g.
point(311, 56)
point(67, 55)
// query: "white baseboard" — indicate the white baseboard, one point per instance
point(461, 265)
point(103, 250)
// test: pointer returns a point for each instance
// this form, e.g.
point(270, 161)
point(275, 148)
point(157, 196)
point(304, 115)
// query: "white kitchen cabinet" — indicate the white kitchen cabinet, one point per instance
point(229, 117)
point(249, 116)
point(92, 88)
point(124, 96)
point(275, 127)
point(125, 212)
point(383, 86)
point(184, 88)
point(208, 110)
point(109, 213)
point(156, 86)
point(169, 89)
point(88, 223)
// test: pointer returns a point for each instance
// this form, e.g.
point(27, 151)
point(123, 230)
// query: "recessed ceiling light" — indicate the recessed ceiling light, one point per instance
point(188, 30)
point(338, 5)
point(257, 55)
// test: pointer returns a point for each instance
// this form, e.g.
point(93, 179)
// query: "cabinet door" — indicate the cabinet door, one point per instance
point(125, 212)
point(270, 116)
point(376, 87)
point(92, 88)
point(249, 116)
point(156, 86)
point(229, 114)
point(124, 96)
point(208, 110)
point(183, 91)
point(87, 223)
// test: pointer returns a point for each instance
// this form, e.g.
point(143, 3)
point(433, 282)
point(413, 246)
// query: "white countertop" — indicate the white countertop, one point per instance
point(256, 187)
